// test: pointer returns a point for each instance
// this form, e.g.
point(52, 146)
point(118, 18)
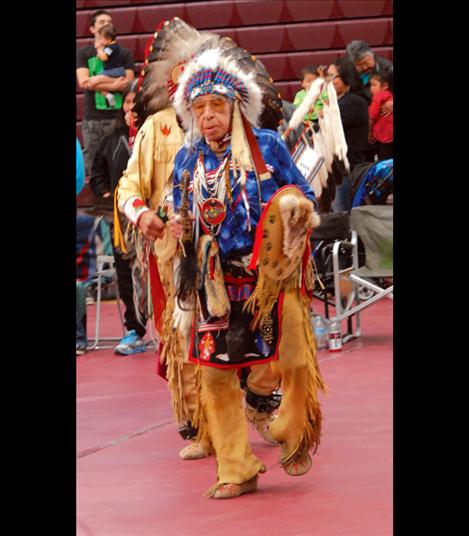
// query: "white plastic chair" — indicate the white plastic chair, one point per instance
point(101, 273)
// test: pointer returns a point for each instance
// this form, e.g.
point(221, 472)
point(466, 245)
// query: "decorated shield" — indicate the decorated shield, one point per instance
point(283, 232)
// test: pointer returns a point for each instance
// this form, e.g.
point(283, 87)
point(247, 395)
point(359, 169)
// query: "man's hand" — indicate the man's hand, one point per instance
point(92, 81)
point(105, 83)
point(120, 83)
point(175, 225)
point(386, 108)
point(151, 226)
point(106, 195)
point(322, 71)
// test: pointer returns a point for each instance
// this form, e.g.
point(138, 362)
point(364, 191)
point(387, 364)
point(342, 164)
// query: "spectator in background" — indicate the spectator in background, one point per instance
point(81, 340)
point(109, 52)
point(381, 127)
point(367, 62)
point(98, 117)
point(80, 168)
point(109, 163)
point(308, 76)
point(354, 115)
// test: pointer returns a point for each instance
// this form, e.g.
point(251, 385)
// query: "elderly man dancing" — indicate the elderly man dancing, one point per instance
point(244, 214)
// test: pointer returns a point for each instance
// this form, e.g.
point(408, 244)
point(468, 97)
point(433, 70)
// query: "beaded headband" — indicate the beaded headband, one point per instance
point(217, 70)
point(207, 81)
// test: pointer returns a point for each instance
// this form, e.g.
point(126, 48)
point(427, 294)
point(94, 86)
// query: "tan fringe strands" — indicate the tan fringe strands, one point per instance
point(266, 294)
point(261, 303)
point(199, 420)
point(314, 382)
point(171, 356)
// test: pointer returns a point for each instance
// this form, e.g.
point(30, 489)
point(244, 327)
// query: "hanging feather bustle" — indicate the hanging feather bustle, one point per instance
point(308, 102)
point(174, 42)
point(328, 140)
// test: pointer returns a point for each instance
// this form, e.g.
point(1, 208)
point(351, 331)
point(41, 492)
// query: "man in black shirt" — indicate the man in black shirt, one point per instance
point(99, 116)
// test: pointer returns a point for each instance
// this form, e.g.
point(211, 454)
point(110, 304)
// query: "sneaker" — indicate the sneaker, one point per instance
point(80, 349)
point(130, 344)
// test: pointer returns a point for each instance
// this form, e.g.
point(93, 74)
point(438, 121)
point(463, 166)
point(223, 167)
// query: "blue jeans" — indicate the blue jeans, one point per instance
point(114, 73)
point(342, 201)
point(81, 338)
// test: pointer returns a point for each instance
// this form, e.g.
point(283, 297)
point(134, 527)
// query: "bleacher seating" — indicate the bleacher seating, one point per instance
point(284, 34)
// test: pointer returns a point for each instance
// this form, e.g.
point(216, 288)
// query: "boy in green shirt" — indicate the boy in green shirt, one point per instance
point(308, 75)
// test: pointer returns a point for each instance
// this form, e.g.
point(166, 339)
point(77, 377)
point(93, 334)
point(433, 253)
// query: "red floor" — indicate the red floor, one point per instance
point(131, 482)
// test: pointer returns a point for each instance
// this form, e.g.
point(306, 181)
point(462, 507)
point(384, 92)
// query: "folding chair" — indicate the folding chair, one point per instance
point(94, 266)
point(374, 225)
point(335, 227)
point(103, 271)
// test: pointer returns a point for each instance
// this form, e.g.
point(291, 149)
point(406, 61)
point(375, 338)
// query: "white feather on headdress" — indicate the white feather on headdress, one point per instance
point(214, 58)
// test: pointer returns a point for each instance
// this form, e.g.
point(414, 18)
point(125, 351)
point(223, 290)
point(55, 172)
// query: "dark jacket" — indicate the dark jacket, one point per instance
point(354, 115)
point(110, 161)
point(382, 66)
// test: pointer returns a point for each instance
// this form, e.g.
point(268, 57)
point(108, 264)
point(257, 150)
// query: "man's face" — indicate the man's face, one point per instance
point(101, 20)
point(366, 63)
point(213, 116)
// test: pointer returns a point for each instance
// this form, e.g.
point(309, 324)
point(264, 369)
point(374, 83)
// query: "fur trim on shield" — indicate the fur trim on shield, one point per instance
point(298, 217)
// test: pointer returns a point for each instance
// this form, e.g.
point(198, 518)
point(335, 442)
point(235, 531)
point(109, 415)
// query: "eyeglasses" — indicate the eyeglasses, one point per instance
point(217, 105)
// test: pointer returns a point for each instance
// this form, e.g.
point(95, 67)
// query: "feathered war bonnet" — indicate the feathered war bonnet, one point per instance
point(218, 69)
point(167, 50)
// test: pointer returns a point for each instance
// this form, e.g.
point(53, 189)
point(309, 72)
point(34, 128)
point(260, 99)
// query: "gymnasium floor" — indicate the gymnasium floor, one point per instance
point(131, 482)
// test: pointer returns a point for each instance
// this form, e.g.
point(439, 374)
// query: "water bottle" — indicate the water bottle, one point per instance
point(320, 331)
point(335, 337)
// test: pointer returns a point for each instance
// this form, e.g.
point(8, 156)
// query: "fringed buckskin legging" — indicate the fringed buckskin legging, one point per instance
point(298, 424)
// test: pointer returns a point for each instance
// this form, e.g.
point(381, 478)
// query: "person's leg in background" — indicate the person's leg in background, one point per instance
point(93, 131)
point(81, 338)
point(342, 201)
point(132, 342)
point(386, 150)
